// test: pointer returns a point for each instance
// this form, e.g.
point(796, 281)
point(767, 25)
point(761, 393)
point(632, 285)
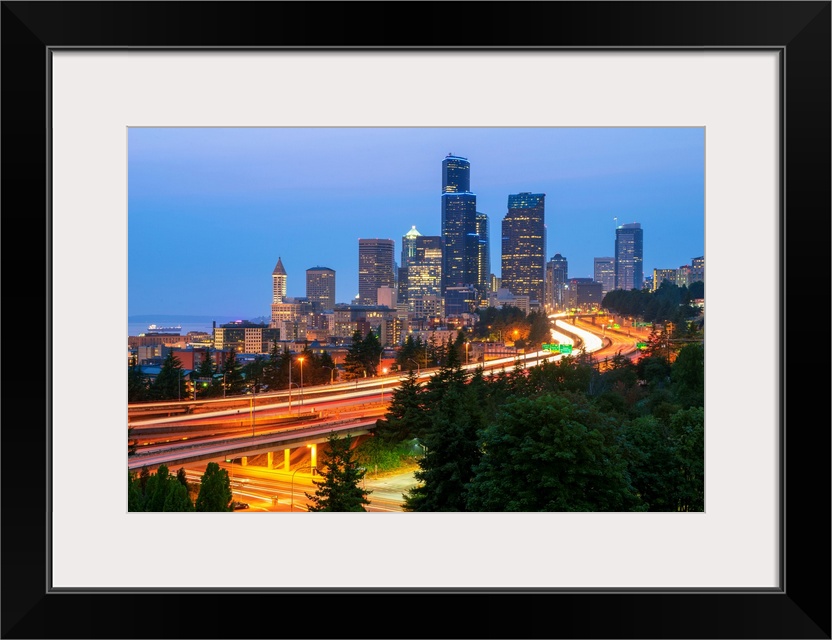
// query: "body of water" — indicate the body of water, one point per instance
point(137, 328)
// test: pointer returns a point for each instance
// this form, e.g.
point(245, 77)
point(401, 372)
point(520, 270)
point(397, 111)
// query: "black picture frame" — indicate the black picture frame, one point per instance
point(800, 31)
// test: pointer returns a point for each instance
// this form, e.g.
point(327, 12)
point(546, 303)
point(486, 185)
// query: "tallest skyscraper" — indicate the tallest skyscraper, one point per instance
point(459, 225)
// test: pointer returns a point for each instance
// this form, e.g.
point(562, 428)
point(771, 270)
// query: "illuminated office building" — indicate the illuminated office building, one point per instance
point(524, 244)
point(320, 288)
point(459, 225)
point(629, 256)
point(375, 268)
point(557, 271)
point(605, 273)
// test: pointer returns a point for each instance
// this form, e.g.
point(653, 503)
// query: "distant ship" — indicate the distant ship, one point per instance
point(153, 328)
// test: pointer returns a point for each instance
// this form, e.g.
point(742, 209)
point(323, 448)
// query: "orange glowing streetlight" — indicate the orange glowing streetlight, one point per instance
point(384, 372)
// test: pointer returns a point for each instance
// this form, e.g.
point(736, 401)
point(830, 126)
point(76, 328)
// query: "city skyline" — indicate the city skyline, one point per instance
point(216, 208)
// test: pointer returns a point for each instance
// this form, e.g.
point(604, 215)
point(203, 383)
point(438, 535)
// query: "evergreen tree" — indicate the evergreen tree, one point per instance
point(214, 489)
point(206, 370)
point(177, 497)
point(340, 489)
point(354, 365)
point(666, 459)
point(408, 354)
point(287, 369)
point(406, 416)
point(253, 373)
point(135, 495)
point(370, 353)
point(271, 369)
point(165, 492)
point(455, 354)
point(435, 353)
point(206, 367)
point(688, 428)
point(138, 384)
point(452, 451)
point(451, 442)
point(168, 384)
point(156, 489)
point(233, 374)
point(326, 365)
point(539, 330)
point(550, 454)
point(688, 375)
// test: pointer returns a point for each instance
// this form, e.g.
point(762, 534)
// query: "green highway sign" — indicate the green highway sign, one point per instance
point(558, 348)
point(641, 345)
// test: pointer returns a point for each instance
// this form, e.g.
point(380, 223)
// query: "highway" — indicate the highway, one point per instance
point(247, 426)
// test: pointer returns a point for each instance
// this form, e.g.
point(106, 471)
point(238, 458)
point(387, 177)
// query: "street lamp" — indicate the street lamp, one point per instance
point(417, 366)
point(292, 504)
point(384, 372)
point(301, 379)
point(424, 447)
point(290, 384)
point(466, 353)
point(331, 372)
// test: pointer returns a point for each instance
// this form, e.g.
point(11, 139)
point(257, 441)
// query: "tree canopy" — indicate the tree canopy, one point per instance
point(158, 491)
point(340, 489)
point(214, 489)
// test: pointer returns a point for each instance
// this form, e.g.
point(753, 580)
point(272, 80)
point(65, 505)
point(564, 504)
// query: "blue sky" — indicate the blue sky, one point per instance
point(210, 210)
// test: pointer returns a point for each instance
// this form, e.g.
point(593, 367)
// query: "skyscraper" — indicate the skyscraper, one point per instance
point(629, 256)
point(459, 224)
point(278, 282)
point(605, 273)
point(483, 253)
point(524, 244)
point(320, 288)
point(409, 246)
point(375, 268)
point(557, 273)
point(424, 272)
point(408, 251)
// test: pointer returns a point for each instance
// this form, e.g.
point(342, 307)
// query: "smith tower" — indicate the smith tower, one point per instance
point(524, 246)
point(460, 266)
point(278, 283)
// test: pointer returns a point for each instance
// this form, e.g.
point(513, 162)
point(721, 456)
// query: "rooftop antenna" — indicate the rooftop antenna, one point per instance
point(615, 220)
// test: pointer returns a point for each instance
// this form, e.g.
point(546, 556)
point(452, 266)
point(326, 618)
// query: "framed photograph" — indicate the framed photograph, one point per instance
point(78, 78)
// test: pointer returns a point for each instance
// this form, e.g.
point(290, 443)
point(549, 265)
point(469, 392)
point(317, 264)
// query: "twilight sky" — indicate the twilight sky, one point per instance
point(210, 210)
